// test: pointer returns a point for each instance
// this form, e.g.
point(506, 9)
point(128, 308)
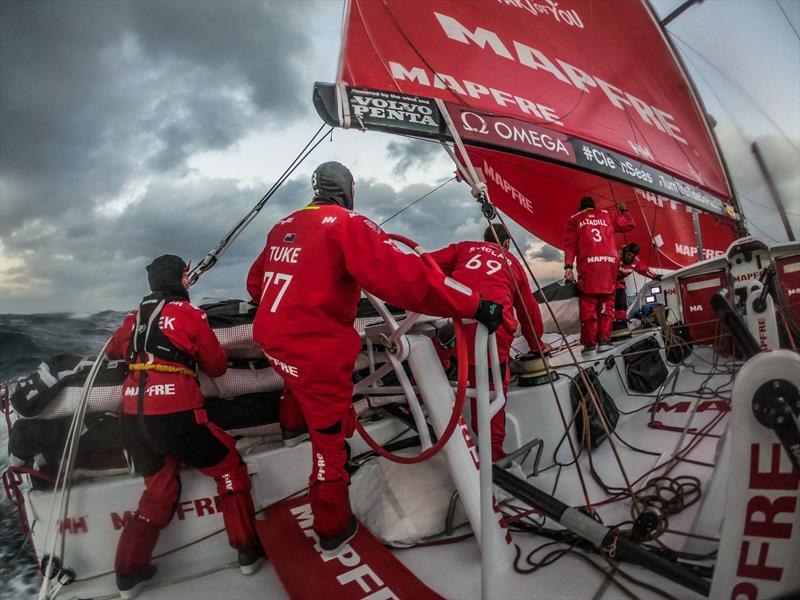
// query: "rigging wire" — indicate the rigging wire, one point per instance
point(768, 207)
point(213, 256)
point(788, 20)
point(739, 88)
point(386, 220)
point(762, 231)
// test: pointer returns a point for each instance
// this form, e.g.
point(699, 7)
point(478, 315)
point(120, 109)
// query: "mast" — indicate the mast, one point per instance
point(741, 229)
point(772, 190)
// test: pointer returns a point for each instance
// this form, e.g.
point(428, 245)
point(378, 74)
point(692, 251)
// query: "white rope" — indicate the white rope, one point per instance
point(471, 176)
point(62, 487)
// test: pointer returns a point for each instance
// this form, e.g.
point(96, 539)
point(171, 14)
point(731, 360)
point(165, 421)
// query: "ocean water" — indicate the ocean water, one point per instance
point(25, 341)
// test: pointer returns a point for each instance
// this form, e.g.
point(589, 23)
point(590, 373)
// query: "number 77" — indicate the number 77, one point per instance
point(279, 277)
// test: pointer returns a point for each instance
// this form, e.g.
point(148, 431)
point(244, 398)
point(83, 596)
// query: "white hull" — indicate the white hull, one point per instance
point(451, 570)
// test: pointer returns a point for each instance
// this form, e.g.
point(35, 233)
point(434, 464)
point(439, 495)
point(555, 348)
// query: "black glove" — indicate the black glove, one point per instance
point(657, 277)
point(490, 314)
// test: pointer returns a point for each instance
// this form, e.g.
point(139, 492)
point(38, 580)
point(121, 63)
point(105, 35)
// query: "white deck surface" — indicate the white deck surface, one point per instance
point(453, 570)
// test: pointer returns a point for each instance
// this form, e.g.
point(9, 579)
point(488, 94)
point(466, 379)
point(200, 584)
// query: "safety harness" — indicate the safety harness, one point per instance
point(148, 342)
point(148, 338)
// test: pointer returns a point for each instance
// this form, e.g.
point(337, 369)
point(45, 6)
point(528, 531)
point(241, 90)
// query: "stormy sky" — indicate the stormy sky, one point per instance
point(132, 129)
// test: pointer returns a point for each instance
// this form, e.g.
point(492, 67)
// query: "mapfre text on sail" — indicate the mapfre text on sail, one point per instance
point(489, 41)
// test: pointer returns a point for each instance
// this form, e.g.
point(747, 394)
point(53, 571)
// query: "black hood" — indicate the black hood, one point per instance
point(332, 183)
point(165, 274)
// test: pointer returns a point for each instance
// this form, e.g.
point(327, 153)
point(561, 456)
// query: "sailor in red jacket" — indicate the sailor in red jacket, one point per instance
point(307, 282)
point(589, 238)
point(480, 265)
point(629, 263)
point(164, 424)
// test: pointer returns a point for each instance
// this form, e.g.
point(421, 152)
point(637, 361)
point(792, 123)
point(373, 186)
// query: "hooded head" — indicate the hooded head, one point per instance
point(165, 274)
point(630, 252)
point(502, 234)
point(333, 183)
point(587, 202)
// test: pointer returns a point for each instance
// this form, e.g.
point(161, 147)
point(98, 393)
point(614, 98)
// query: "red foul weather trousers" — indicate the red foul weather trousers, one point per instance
point(620, 305)
point(169, 440)
point(325, 407)
point(498, 422)
point(596, 312)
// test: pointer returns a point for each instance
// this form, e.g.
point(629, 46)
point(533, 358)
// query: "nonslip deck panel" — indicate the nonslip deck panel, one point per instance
point(364, 569)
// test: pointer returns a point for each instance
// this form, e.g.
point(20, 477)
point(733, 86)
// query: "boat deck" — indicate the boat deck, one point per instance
point(453, 570)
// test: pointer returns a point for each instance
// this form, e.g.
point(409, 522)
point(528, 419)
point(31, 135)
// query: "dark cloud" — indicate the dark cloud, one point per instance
point(98, 262)
point(102, 101)
point(408, 154)
point(95, 93)
point(544, 252)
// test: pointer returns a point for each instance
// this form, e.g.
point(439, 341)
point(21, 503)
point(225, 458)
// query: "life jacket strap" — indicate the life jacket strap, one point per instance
point(161, 369)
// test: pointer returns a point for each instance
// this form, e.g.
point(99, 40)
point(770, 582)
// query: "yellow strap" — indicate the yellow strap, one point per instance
point(310, 207)
point(161, 369)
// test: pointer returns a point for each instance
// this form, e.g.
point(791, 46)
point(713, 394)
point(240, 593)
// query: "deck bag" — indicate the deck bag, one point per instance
point(232, 322)
point(253, 376)
point(563, 301)
point(402, 505)
point(251, 410)
point(644, 366)
point(579, 393)
point(55, 389)
point(678, 351)
point(40, 443)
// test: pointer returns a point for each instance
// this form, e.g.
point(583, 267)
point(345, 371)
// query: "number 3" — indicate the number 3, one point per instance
point(596, 235)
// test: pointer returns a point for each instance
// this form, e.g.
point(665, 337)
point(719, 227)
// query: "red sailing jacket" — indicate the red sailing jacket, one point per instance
point(186, 326)
point(589, 237)
point(626, 269)
point(308, 280)
point(480, 266)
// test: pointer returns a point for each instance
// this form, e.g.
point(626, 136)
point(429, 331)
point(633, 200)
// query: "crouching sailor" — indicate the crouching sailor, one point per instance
point(164, 423)
point(307, 282)
point(589, 238)
point(629, 263)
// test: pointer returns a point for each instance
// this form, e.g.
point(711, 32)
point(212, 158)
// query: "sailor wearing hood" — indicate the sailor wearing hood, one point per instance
point(589, 238)
point(482, 266)
point(629, 263)
point(307, 282)
point(164, 424)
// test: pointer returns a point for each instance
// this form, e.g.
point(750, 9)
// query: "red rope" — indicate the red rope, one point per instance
point(461, 389)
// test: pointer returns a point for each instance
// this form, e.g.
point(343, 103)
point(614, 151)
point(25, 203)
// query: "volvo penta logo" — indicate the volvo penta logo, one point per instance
point(475, 123)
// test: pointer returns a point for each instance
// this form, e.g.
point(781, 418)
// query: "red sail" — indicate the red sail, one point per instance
point(597, 71)
point(540, 197)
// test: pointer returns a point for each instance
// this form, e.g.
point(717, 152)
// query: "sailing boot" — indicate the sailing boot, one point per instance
point(331, 546)
point(588, 349)
point(604, 345)
point(129, 586)
point(250, 561)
